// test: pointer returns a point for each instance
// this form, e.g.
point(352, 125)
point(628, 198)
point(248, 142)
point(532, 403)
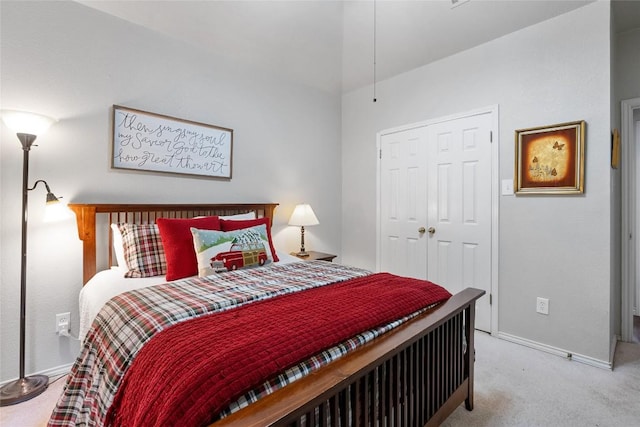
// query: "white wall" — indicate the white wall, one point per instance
point(627, 86)
point(72, 62)
point(615, 202)
point(628, 64)
point(556, 247)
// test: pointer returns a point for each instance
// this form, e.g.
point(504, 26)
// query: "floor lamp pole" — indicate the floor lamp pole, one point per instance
point(24, 388)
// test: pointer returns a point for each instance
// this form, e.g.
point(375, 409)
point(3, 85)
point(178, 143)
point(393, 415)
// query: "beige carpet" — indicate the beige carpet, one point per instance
point(515, 386)
point(519, 386)
point(34, 412)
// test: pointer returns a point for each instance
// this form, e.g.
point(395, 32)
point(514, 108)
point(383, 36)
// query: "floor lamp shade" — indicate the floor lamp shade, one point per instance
point(303, 216)
point(28, 123)
point(27, 127)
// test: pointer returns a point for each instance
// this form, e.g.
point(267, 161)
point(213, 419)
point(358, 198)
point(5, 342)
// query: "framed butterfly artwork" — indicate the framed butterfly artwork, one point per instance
point(550, 159)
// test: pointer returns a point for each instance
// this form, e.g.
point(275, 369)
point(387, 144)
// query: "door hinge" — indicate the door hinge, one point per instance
point(490, 299)
point(491, 136)
point(380, 153)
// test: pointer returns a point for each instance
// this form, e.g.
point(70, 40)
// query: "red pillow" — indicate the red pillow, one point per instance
point(232, 224)
point(178, 243)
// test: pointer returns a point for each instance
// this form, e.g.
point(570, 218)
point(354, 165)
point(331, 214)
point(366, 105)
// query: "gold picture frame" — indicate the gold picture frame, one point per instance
point(550, 159)
point(615, 149)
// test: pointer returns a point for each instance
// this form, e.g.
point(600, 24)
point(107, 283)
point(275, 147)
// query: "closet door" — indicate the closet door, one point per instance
point(403, 203)
point(435, 209)
point(459, 208)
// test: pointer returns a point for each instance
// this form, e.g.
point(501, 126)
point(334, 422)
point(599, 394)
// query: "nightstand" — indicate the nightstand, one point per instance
point(316, 256)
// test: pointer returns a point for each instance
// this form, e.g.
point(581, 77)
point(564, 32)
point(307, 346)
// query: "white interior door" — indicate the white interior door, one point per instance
point(403, 203)
point(636, 117)
point(435, 205)
point(630, 165)
point(459, 207)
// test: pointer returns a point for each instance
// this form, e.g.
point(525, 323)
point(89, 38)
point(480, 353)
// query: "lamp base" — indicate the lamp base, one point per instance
point(23, 389)
point(302, 254)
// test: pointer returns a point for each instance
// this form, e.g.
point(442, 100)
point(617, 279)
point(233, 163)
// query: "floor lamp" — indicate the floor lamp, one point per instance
point(27, 127)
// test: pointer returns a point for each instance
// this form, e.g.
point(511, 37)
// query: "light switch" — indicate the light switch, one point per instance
point(507, 187)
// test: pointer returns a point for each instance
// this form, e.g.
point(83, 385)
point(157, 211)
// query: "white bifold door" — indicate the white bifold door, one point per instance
point(435, 205)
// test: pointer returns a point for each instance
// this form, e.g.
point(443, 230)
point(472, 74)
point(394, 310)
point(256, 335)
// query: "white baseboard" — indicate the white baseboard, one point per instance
point(587, 360)
point(51, 373)
point(612, 348)
point(65, 369)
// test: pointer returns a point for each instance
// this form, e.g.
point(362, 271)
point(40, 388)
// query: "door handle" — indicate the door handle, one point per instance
point(422, 230)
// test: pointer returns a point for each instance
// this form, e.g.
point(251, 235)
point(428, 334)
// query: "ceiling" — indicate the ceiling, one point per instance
point(329, 44)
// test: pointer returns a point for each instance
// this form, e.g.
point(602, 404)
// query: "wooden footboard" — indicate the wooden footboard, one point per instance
point(415, 375)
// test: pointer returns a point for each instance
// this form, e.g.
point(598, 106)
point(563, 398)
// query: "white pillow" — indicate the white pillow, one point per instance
point(248, 215)
point(118, 247)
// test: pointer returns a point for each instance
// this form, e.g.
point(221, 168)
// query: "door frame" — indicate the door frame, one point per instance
point(495, 193)
point(629, 215)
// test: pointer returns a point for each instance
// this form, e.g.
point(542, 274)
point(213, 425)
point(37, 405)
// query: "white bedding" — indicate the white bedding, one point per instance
point(109, 283)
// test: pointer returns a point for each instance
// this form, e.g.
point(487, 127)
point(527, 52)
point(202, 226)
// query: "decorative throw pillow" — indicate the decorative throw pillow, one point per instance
point(143, 251)
point(229, 225)
point(178, 243)
point(219, 251)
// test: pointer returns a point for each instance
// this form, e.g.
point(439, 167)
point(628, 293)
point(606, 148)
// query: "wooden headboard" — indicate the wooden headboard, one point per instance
point(87, 215)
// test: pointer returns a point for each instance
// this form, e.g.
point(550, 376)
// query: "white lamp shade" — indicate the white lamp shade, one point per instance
point(23, 122)
point(56, 211)
point(302, 216)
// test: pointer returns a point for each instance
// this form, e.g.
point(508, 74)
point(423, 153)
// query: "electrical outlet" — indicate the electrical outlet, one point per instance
point(63, 323)
point(542, 305)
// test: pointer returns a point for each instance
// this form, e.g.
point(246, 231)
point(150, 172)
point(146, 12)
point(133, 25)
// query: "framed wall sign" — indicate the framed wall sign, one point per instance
point(550, 159)
point(153, 142)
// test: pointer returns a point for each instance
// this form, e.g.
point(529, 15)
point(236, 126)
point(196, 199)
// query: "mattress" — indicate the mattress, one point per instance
point(107, 284)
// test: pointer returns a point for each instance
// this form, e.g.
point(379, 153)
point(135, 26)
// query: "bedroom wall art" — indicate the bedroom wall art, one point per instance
point(550, 159)
point(153, 142)
point(615, 149)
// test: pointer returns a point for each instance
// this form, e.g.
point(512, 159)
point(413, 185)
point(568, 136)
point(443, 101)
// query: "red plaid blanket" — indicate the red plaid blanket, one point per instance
point(128, 321)
point(174, 382)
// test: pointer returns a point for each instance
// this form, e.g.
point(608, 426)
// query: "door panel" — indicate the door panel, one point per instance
point(459, 206)
point(403, 203)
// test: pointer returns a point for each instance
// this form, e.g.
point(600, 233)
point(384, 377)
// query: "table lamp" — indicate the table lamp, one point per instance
point(303, 216)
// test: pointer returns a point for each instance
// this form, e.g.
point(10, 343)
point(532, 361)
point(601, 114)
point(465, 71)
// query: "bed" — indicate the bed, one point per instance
point(415, 370)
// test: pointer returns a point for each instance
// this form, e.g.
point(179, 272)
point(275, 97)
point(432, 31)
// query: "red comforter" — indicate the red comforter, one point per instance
point(191, 371)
